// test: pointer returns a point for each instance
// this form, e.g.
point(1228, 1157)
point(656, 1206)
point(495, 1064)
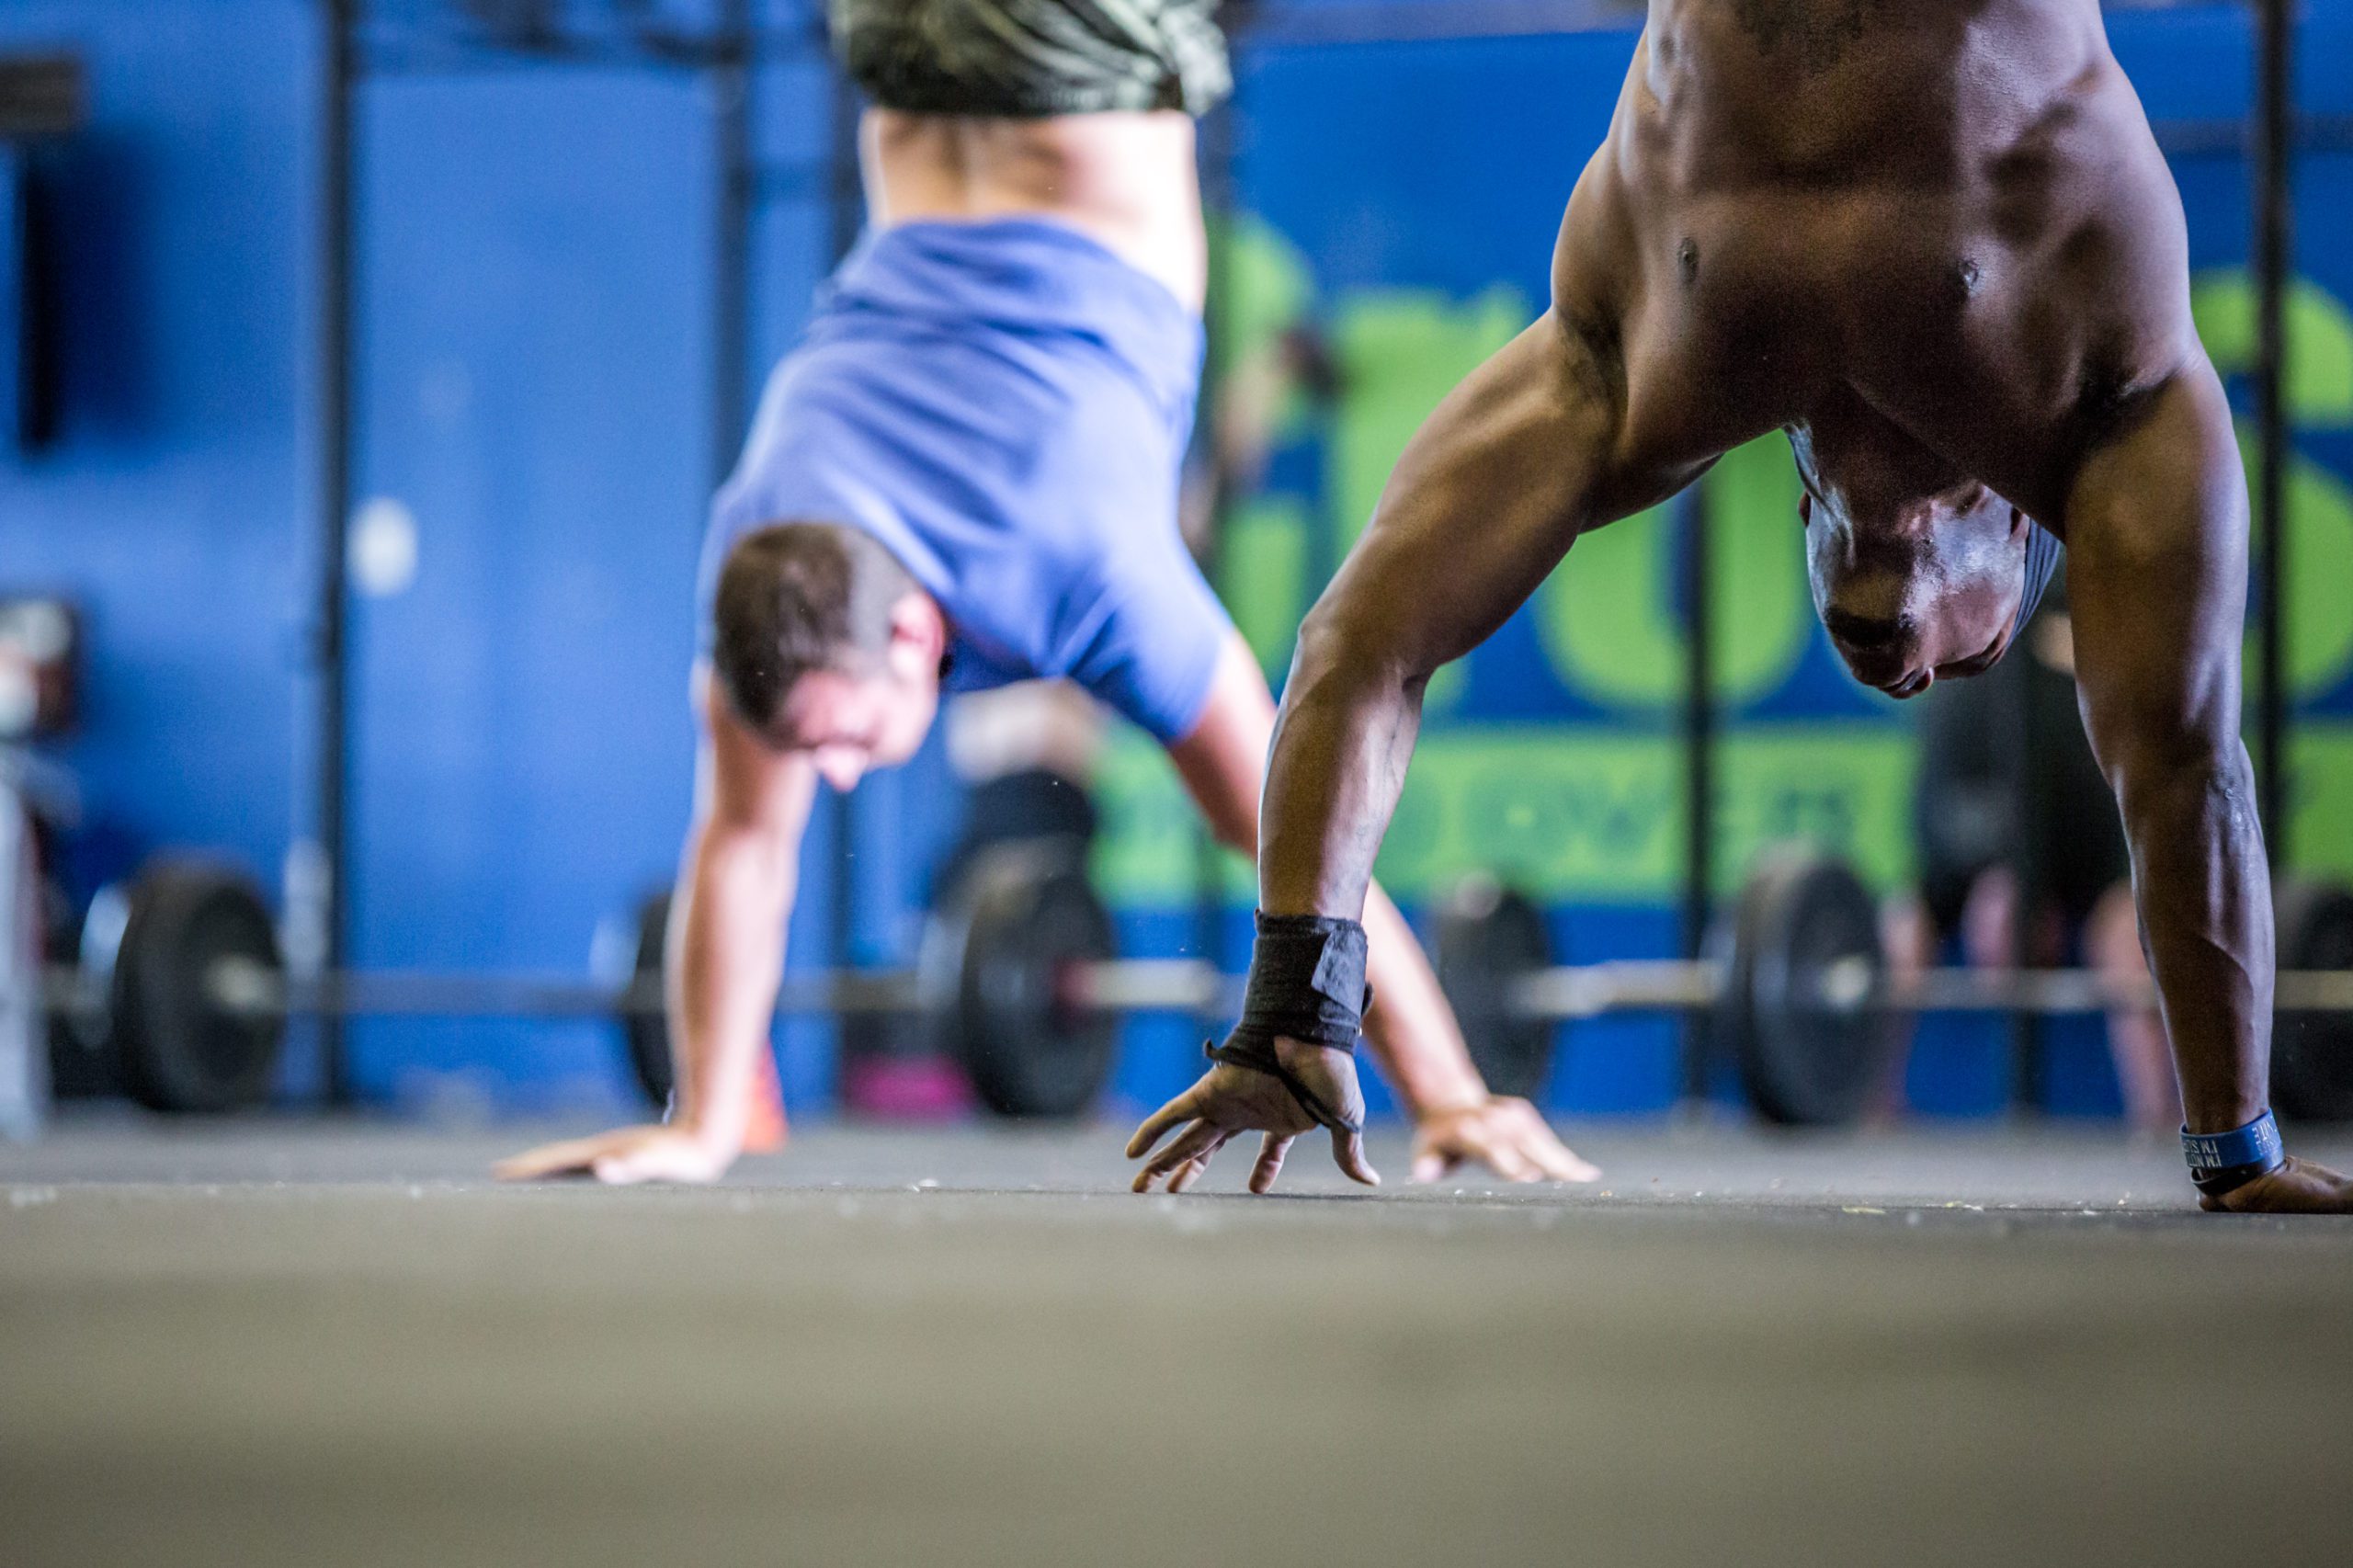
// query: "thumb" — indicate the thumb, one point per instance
point(1347, 1151)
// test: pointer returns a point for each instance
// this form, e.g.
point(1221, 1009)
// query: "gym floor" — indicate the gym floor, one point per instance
point(271, 1342)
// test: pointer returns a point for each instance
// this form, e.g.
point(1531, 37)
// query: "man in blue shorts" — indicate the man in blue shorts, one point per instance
point(967, 474)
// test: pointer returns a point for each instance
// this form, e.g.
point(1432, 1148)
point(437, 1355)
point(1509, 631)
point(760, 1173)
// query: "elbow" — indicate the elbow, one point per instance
point(1347, 649)
point(744, 861)
point(2167, 784)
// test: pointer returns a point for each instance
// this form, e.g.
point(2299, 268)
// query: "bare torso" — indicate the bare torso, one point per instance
point(1934, 236)
point(1127, 180)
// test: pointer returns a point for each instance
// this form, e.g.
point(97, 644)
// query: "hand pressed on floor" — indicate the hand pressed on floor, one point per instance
point(623, 1157)
point(1505, 1134)
point(2297, 1188)
point(1228, 1100)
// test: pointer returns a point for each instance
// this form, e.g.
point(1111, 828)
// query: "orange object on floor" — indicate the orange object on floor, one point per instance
point(764, 1133)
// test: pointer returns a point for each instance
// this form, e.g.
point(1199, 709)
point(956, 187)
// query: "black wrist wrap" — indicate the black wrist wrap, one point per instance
point(1306, 984)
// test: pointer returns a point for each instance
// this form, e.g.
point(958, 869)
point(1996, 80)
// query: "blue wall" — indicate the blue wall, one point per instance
point(535, 387)
point(535, 390)
point(171, 504)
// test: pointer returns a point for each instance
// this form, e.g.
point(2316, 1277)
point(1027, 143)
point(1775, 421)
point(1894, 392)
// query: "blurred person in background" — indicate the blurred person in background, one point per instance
point(967, 474)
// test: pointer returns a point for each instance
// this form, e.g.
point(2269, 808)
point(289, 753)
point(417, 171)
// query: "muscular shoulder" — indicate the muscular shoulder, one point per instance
point(1595, 273)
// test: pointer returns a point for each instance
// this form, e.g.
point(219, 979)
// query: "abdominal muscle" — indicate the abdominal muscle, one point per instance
point(1127, 181)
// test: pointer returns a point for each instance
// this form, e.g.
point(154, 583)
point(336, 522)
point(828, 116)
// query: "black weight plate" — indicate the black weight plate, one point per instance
point(993, 960)
point(1488, 938)
point(2311, 1052)
point(78, 1063)
point(1803, 920)
point(648, 1032)
point(178, 1052)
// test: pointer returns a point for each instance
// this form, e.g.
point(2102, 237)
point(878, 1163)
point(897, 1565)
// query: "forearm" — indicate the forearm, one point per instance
point(1411, 1030)
point(2204, 893)
point(1349, 718)
point(728, 962)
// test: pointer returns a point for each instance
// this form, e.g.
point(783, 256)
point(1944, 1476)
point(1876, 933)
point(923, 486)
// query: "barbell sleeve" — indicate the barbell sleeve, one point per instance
point(2054, 991)
point(1588, 990)
point(1153, 985)
point(2045, 993)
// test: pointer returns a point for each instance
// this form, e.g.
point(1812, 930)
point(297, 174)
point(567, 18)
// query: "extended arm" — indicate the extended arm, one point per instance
point(736, 884)
point(1486, 499)
point(1516, 461)
point(1411, 1028)
point(735, 887)
point(2156, 545)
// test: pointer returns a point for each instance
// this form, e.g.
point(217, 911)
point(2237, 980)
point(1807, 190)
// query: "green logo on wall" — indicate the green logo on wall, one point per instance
point(1585, 811)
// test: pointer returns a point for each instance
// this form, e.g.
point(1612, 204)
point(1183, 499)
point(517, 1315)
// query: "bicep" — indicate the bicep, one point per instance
point(2156, 546)
point(1515, 463)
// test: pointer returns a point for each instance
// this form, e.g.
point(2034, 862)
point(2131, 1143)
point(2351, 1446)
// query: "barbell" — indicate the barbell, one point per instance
point(1017, 979)
point(1803, 998)
point(183, 980)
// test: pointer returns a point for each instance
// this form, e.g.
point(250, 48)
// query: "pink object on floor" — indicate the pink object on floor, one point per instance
point(905, 1088)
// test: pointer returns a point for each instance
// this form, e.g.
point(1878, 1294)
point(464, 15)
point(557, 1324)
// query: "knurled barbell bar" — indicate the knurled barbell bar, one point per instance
point(1804, 1000)
point(1016, 978)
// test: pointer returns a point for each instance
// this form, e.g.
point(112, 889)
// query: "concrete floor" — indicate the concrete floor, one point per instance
point(266, 1344)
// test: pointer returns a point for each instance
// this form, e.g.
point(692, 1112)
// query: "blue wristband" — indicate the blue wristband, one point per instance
point(2223, 1161)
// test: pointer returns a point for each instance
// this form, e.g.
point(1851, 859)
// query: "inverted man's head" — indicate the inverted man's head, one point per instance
point(1918, 576)
point(823, 645)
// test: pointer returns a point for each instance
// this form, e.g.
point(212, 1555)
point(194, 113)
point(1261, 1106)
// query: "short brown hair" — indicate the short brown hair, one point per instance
point(795, 597)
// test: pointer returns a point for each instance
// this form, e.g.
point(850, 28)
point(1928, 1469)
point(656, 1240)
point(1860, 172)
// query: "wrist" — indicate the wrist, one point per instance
point(1434, 1080)
point(1306, 982)
point(719, 1134)
point(2222, 1163)
point(1431, 1089)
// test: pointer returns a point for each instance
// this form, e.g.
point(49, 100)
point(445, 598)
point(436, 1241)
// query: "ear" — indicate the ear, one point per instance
point(918, 635)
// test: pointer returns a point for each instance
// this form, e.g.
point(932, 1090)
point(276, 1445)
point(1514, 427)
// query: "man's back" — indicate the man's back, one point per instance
point(1065, 109)
point(1125, 180)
